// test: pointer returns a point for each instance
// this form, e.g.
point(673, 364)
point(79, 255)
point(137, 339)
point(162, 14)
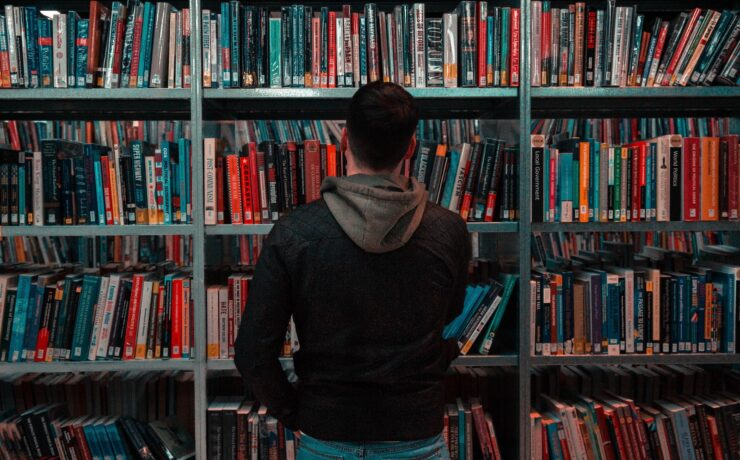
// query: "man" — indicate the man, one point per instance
point(371, 273)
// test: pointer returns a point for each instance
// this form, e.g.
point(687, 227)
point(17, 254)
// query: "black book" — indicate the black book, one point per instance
point(307, 45)
point(301, 174)
point(28, 165)
point(484, 178)
point(72, 308)
point(250, 34)
point(7, 323)
point(4, 193)
point(436, 181)
point(166, 332)
point(128, 426)
point(118, 334)
point(285, 51)
point(54, 317)
point(127, 171)
point(468, 36)
point(119, 316)
point(13, 198)
point(272, 186)
point(58, 332)
point(51, 183)
point(214, 430)
point(47, 312)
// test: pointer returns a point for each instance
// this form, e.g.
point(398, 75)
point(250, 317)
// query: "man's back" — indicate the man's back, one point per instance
point(371, 356)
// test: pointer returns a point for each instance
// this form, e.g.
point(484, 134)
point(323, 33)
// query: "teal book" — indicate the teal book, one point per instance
point(449, 183)
point(594, 181)
point(225, 45)
point(168, 149)
point(471, 307)
point(46, 53)
point(147, 37)
point(471, 294)
point(72, 20)
point(20, 316)
point(184, 179)
point(276, 63)
point(91, 436)
point(35, 303)
point(363, 51)
point(504, 44)
point(486, 341)
point(80, 67)
point(565, 186)
point(98, 174)
point(490, 46)
point(30, 23)
point(85, 312)
point(553, 441)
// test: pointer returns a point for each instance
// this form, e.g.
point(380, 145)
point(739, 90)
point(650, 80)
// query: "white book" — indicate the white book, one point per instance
point(107, 321)
point(98, 318)
point(339, 37)
point(626, 48)
point(38, 189)
point(455, 200)
point(616, 46)
point(59, 29)
point(223, 323)
point(151, 189)
point(449, 24)
point(12, 48)
point(536, 46)
point(420, 55)
point(348, 56)
point(171, 52)
point(466, 346)
point(212, 326)
point(598, 74)
point(206, 25)
point(209, 180)
point(662, 185)
point(143, 326)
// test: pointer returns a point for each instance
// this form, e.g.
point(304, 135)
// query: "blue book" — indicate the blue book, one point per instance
point(30, 20)
point(114, 435)
point(83, 323)
point(20, 317)
point(450, 179)
point(553, 441)
point(461, 429)
point(184, 180)
point(490, 49)
point(46, 53)
point(91, 436)
point(233, 28)
point(147, 37)
point(452, 329)
point(80, 67)
point(36, 303)
point(168, 149)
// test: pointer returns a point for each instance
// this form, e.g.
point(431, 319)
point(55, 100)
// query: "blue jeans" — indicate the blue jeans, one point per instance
point(423, 449)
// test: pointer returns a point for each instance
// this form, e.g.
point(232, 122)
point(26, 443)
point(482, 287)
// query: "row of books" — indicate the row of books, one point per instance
point(302, 46)
point(613, 302)
point(657, 421)
point(58, 315)
point(71, 183)
point(129, 45)
point(670, 178)
point(615, 131)
point(681, 248)
point(126, 251)
point(616, 46)
point(27, 135)
point(84, 415)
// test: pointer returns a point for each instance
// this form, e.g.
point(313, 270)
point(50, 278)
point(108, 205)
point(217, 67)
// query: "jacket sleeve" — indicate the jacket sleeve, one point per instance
point(262, 333)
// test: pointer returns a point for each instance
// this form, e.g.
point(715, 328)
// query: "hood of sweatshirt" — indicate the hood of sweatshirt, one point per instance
point(379, 213)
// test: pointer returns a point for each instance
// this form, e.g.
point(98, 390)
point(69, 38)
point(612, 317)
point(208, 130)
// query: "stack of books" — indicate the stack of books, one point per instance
point(581, 45)
point(669, 178)
point(635, 412)
point(305, 47)
point(129, 45)
point(61, 315)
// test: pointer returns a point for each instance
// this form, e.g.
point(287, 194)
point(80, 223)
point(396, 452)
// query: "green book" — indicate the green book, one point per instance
point(276, 80)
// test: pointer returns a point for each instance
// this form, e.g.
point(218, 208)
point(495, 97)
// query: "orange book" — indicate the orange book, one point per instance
point(254, 179)
point(331, 160)
point(132, 322)
point(234, 187)
point(584, 165)
point(115, 186)
point(709, 190)
point(246, 189)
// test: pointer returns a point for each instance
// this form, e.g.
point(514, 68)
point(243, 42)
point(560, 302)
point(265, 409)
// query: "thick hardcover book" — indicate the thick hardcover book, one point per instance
point(99, 14)
point(434, 57)
point(373, 58)
point(467, 43)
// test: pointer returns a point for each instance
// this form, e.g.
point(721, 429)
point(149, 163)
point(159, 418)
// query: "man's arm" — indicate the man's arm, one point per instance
point(262, 333)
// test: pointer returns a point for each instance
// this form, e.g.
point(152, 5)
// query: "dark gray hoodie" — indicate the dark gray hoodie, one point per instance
point(379, 213)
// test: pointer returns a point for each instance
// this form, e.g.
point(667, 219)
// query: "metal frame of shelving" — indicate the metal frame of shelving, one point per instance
point(198, 104)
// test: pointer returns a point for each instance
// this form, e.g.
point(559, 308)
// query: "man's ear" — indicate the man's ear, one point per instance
point(411, 149)
point(344, 142)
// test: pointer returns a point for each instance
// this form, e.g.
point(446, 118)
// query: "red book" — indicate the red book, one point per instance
point(604, 430)
point(293, 163)
point(98, 13)
point(118, 52)
point(634, 214)
point(159, 186)
point(733, 175)
point(186, 44)
point(106, 190)
point(176, 319)
point(246, 189)
point(136, 51)
point(331, 160)
point(234, 188)
point(613, 420)
point(219, 190)
point(681, 44)
point(658, 53)
point(264, 205)
point(5, 68)
point(482, 13)
point(15, 140)
point(691, 178)
point(132, 322)
point(514, 47)
point(254, 180)
point(312, 153)
point(479, 421)
point(637, 76)
point(332, 82)
point(714, 434)
point(545, 48)
point(356, 48)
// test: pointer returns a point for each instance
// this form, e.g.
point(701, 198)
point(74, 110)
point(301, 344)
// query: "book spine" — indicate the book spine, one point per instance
point(450, 40)
point(514, 44)
point(373, 58)
point(419, 13)
point(482, 20)
point(348, 45)
point(467, 43)
point(331, 70)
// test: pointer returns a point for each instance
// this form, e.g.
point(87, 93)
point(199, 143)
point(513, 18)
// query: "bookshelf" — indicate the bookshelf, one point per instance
point(523, 103)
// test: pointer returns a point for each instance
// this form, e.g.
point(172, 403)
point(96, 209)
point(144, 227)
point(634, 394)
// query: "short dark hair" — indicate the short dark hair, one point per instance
point(381, 121)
